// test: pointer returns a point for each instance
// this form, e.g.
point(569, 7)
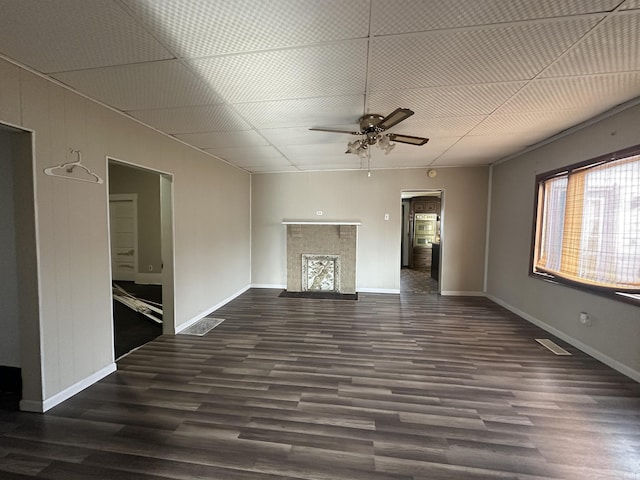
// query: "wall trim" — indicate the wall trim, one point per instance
point(395, 291)
point(607, 360)
point(200, 316)
point(456, 293)
point(43, 406)
point(268, 285)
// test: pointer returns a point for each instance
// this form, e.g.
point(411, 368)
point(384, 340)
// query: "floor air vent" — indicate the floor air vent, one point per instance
point(554, 347)
point(202, 327)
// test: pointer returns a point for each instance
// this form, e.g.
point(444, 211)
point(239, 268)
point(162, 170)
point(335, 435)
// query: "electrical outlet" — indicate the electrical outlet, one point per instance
point(585, 319)
point(386, 216)
point(151, 268)
point(319, 213)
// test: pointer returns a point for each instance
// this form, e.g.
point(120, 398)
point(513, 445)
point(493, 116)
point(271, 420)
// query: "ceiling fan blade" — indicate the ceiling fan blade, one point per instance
point(335, 131)
point(394, 118)
point(394, 137)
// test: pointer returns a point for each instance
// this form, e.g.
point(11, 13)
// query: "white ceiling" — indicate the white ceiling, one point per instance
point(244, 80)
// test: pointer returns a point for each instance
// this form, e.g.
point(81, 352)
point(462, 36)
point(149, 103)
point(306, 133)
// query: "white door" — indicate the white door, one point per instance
point(123, 217)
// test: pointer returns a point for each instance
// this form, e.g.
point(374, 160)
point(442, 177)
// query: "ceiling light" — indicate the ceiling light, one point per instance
point(361, 146)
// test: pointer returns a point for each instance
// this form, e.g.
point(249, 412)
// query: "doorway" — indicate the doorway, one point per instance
point(421, 241)
point(20, 356)
point(141, 248)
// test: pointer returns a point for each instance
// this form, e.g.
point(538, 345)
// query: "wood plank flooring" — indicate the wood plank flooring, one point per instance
point(394, 387)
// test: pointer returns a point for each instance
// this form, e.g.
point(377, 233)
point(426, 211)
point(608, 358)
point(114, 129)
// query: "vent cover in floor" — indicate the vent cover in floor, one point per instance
point(554, 347)
point(202, 327)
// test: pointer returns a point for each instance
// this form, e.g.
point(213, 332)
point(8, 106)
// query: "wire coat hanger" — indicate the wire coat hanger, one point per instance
point(64, 170)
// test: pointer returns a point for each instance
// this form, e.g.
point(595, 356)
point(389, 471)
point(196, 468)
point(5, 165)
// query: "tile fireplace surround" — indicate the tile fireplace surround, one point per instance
point(321, 256)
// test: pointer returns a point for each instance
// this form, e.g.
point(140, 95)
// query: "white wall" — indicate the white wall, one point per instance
point(10, 337)
point(212, 233)
point(354, 196)
point(614, 336)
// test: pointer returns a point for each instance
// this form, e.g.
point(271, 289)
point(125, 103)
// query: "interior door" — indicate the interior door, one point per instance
point(123, 217)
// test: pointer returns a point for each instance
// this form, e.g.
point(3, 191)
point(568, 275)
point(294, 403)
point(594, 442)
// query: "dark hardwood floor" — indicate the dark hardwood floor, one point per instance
point(397, 387)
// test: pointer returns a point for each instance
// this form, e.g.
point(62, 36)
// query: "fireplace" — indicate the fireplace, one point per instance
point(321, 257)
point(320, 273)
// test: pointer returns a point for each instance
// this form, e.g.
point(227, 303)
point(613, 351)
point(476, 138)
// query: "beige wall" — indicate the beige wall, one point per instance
point(352, 196)
point(212, 233)
point(146, 185)
point(615, 334)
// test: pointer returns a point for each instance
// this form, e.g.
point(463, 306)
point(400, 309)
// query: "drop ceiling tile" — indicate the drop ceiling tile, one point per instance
point(208, 118)
point(247, 155)
point(482, 149)
point(461, 57)
point(614, 46)
point(307, 112)
point(201, 28)
point(537, 125)
point(456, 101)
point(54, 36)
point(304, 136)
point(142, 86)
point(599, 92)
point(421, 125)
point(335, 69)
point(227, 139)
point(404, 16)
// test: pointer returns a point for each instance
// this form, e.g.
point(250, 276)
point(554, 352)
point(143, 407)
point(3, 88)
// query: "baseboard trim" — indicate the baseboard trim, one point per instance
point(607, 360)
point(49, 403)
point(200, 316)
point(268, 285)
point(456, 293)
point(395, 291)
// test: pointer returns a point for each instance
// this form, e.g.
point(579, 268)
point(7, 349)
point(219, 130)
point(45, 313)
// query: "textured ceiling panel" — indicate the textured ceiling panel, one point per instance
point(304, 136)
point(141, 86)
point(245, 156)
point(446, 101)
point(492, 54)
point(489, 148)
point(600, 92)
point(228, 139)
point(404, 16)
point(199, 28)
point(308, 112)
point(424, 126)
point(613, 47)
point(484, 77)
point(208, 118)
point(537, 124)
point(54, 36)
point(336, 69)
point(631, 4)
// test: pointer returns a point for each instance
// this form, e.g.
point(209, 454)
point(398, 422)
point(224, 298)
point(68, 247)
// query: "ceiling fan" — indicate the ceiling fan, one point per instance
point(372, 127)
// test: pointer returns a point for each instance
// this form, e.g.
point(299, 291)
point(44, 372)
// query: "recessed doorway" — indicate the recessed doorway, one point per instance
point(141, 248)
point(421, 241)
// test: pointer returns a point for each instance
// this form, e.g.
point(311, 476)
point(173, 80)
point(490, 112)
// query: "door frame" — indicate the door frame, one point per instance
point(411, 193)
point(167, 241)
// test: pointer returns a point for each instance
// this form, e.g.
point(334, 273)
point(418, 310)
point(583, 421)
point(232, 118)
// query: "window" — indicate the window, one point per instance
point(587, 231)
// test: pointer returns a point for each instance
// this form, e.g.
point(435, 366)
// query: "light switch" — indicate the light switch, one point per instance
point(386, 216)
